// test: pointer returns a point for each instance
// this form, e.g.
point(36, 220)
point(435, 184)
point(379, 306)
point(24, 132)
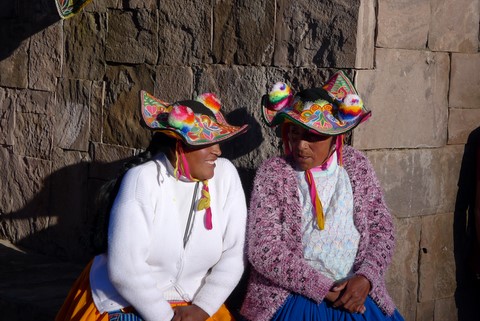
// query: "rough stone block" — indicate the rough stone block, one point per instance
point(418, 181)
point(454, 26)
point(185, 31)
point(244, 32)
point(299, 78)
point(97, 102)
point(45, 58)
point(407, 94)
point(33, 135)
point(7, 117)
point(72, 116)
point(85, 46)
point(445, 310)
point(402, 276)
point(403, 24)
point(108, 160)
point(461, 122)
point(98, 6)
point(366, 35)
point(114, 4)
point(131, 4)
point(173, 83)
point(121, 114)
point(465, 81)
point(437, 263)
point(316, 33)
point(25, 195)
point(425, 311)
point(132, 36)
point(34, 101)
point(14, 54)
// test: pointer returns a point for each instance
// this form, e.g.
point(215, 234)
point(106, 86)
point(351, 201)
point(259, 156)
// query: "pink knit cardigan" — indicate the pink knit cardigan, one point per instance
point(274, 238)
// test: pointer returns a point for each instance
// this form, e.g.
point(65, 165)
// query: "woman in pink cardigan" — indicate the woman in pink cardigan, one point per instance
point(320, 236)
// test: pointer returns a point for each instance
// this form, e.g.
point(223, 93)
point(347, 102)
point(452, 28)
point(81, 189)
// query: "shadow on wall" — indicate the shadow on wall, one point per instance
point(59, 220)
point(243, 145)
point(20, 19)
point(466, 247)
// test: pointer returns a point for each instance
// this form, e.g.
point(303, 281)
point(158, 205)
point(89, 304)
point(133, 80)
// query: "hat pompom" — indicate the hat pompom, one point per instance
point(351, 106)
point(182, 118)
point(210, 101)
point(279, 96)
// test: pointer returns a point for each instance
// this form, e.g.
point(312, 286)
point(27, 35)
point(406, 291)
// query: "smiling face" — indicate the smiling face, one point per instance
point(201, 161)
point(309, 149)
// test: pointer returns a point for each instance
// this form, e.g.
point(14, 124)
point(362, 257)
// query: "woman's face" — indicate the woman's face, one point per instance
point(309, 149)
point(201, 161)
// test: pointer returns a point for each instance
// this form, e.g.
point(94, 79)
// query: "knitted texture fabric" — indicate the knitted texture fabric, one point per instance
point(274, 238)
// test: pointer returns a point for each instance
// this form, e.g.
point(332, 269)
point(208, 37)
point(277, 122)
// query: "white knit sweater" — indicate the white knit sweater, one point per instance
point(147, 265)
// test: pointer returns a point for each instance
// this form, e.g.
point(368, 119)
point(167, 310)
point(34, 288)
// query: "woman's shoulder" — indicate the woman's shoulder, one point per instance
point(274, 164)
point(225, 171)
point(274, 170)
point(145, 172)
point(350, 151)
point(225, 164)
point(353, 156)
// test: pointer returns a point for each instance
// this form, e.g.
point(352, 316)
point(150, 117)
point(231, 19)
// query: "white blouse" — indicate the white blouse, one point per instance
point(332, 250)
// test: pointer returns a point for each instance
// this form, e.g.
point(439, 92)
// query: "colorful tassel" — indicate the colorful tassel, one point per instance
point(204, 204)
point(280, 96)
point(339, 149)
point(181, 164)
point(317, 204)
point(181, 168)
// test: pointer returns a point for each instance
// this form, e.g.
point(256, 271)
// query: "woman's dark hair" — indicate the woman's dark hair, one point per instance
point(108, 192)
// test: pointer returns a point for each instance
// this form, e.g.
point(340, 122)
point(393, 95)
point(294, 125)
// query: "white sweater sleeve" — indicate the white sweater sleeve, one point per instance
point(128, 248)
point(226, 274)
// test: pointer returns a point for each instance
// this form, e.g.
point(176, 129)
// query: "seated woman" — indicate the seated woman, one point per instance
point(320, 236)
point(177, 225)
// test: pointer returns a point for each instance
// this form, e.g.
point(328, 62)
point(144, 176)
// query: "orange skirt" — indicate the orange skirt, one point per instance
point(79, 305)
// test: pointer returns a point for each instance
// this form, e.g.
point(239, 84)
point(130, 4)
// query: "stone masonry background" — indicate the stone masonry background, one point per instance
point(69, 107)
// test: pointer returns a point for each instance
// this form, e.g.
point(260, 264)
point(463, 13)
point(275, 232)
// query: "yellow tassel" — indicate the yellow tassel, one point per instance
point(317, 204)
point(204, 201)
point(320, 215)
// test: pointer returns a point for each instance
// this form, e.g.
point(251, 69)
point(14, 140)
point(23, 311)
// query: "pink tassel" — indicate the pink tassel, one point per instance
point(208, 219)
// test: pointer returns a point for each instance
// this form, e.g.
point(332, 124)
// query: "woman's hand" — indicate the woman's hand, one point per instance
point(189, 313)
point(335, 292)
point(353, 295)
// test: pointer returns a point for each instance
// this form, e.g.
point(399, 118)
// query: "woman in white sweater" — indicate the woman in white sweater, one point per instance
point(176, 228)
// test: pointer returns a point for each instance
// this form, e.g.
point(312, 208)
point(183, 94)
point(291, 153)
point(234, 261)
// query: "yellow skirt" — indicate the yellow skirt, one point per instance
point(79, 306)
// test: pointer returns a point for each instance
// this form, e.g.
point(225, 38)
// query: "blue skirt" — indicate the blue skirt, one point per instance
point(299, 308)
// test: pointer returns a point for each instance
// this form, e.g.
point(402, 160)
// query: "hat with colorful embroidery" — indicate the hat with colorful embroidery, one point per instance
point(69, 8)
point(197, 122)
point(331, 110)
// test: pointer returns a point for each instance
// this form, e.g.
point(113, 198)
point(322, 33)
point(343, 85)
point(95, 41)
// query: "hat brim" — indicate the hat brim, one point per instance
point(204, 131)
point(317, 118)
point(320, 121)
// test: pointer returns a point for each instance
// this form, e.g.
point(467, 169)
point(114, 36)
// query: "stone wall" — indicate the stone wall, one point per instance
point(69, 107)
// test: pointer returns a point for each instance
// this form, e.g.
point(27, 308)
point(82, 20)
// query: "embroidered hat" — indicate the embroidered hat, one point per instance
point(331, 110)
point(68, 8)
point(197, 122)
